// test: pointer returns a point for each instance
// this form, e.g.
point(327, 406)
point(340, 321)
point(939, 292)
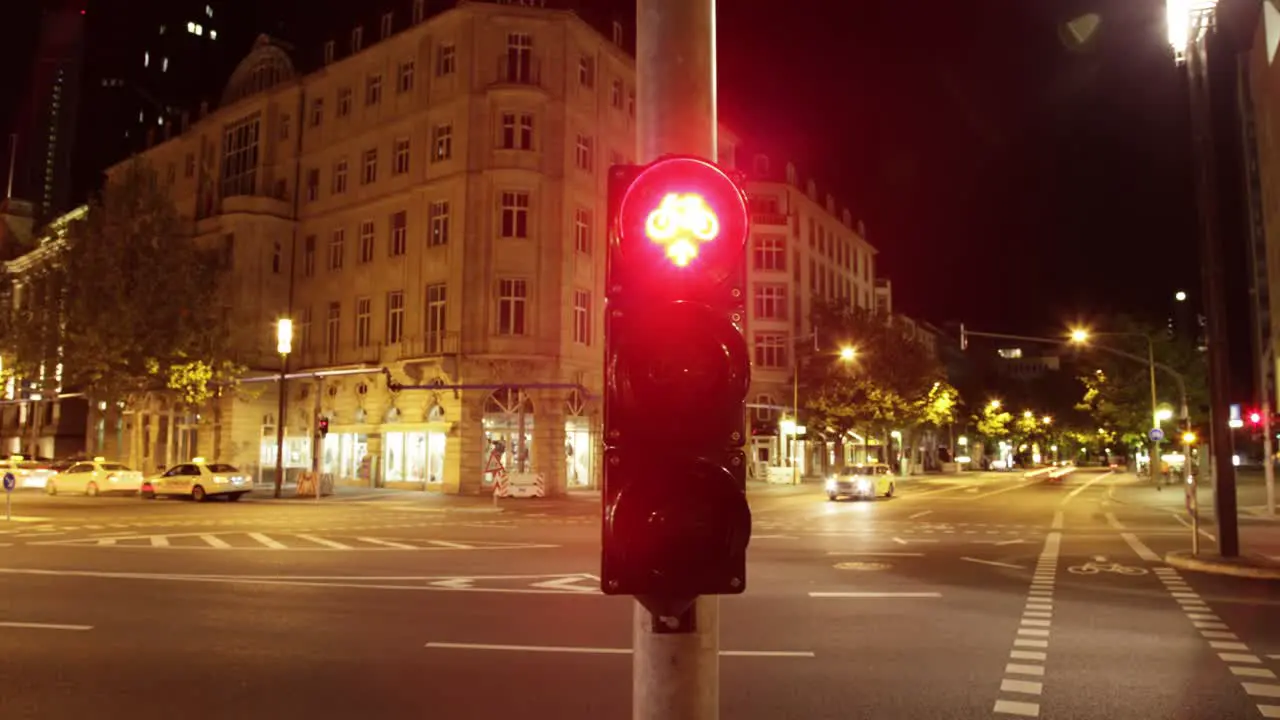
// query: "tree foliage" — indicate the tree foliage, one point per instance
point(893, 381)
point(31, 326)
point(1117, 390)
point(139, 301)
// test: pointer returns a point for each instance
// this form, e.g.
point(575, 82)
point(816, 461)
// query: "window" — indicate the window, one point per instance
point(512, 296)
point(584, 155)
point(304, 329)
point(442, 142)
point(615, 94)
point(240, 158)
point(328, 53)
point(631, 102)
point(344, 102)
point(771, 350)
point(515, 214)
point(400, 165)
point(366, 241)
point(284, 127)
point(770, 253)
point(764, 414)
point(582, 317)
point(373, 90)
point(582, 231)
point(277, 258)
point(771, 302)
point(586, 72)
point(385, 26)
point(404, 77)
point(419, 11)
point(439, 223)
point(434, 327)
point(317, 112)
point(313, 184)
point(340, 177)
point(446, 60)
point(189, 169)
point(370, 166)
point(336, 250)
point(395, 316)
point(364, 322)
point(517, 131)
point(617, 33)
point(333, 326)
point(399, 232)
point(519, 67)
point(357, 39)
point(309, 256)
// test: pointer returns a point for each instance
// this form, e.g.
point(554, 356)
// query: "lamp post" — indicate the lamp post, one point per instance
point(1081, 336)
point(284, 344)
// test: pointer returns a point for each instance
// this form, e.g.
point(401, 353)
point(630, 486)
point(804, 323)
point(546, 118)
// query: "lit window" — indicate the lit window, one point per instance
point(164, 65)
point(199, 29)
point(208, 11)
point(146, 59)
point(213, 34)
point(161, 29)
point(191, 28)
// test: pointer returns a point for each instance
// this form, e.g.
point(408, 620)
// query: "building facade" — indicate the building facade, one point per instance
point(428, 208)
point(803, 249)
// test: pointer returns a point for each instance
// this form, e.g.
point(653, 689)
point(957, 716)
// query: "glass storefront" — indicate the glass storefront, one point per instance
point(508, 414)
point(579, 451)
point(297, 451)
point(413, 456)
point(346, 456)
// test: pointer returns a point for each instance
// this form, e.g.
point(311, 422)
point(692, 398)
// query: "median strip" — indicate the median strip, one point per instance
point(568, 649)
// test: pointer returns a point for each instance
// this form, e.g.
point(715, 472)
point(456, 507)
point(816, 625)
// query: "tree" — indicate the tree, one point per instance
point(892, 383)
point(1117, 390)
point(994, 422)
point(30, 327)
point(141, 301)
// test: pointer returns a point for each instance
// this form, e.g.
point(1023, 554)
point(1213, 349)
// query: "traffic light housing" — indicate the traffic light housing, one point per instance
point(322, 426)
point(677, 370)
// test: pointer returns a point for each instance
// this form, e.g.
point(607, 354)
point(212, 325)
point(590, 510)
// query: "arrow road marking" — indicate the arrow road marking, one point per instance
point(922, 513)
point(455, 584)
point(992, 562)
point(564, 584)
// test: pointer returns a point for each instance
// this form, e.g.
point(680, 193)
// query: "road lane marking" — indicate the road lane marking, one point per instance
point(1019, 486)
point(1024, 709)
point(992, 562)
point(601, 650)
point(1058, 517)
point(875, 554)
point(1140, 548)
point(1071, 496)
point(214, 541)
point(268, 542)
point(920, 514)
point(1033, 631)
point(452, 545)
point(874, 595)
point(45, 626)
point(1187, 524)
point(159, 541)
point(1114, 522)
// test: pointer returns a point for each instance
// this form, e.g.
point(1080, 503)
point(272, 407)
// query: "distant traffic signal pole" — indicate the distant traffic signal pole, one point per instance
point(675, 522)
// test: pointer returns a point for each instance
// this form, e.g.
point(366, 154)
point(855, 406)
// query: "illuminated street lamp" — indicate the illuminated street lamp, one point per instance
point(284, 345)
point(1046, 420)
point(1188, 438)
point(1081, 336)
point(1180, 296)
point(1028, 414)
point(847, 354)
point(994, 404)
point(1164, 414)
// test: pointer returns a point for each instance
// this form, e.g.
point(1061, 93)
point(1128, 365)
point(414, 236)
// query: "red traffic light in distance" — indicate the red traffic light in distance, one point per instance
point(1255, 417)
point(677, 371)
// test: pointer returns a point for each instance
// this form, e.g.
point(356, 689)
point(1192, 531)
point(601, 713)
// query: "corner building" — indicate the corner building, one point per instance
point(431, 203)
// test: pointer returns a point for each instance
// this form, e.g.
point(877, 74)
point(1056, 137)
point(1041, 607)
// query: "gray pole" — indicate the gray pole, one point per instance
point(1154, 465)
point(676, 676)
point(280, 420)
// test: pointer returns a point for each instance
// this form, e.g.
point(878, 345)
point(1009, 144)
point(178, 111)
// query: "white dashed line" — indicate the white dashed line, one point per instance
point(268, 542)
point(1219, 636)
point(1033, 632)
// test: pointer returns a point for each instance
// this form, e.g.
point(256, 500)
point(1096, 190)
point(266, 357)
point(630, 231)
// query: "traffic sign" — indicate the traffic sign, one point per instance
point(10, 482)
point(1156, 435)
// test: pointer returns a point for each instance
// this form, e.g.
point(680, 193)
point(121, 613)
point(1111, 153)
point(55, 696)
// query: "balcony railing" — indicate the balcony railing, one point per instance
point(518, 70)
point(764, 218)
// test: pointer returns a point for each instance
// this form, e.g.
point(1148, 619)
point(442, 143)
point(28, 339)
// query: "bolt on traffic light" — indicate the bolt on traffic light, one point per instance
point(677, 369)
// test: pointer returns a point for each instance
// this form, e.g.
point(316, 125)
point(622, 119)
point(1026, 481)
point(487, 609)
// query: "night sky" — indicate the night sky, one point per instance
point(1009, 181)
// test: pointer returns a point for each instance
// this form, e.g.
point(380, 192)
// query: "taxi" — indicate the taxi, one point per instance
point(94, 477)
point(861, 481)
point(198, 480)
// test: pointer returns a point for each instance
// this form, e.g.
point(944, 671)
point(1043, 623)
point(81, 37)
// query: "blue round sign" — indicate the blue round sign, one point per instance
point(9, 481)
point(1156, 435)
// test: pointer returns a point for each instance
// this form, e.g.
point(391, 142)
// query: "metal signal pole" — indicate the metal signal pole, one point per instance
point(676, 676)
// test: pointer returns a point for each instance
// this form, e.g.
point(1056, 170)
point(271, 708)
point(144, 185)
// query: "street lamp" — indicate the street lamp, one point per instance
point(284, 344)
point(847, 354)
point(1180, 296)
point(1081, 336)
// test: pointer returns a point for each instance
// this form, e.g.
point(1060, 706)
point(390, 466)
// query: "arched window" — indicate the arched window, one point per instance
point(508, 429)
point(579, 442)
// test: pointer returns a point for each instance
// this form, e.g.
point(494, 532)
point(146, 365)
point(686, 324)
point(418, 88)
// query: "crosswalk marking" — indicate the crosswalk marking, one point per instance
point(326, 543)
point(159, 541)
point(454, 545)
point(267, 541)
point(386, 543)
point(214, 541)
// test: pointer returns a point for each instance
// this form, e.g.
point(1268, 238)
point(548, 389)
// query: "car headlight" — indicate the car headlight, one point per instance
point(864, 484)
point(831, 483)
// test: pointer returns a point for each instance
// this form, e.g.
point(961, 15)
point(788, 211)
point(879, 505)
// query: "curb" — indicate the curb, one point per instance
point(1246, 566)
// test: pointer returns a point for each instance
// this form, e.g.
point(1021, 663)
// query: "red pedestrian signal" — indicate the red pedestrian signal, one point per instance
point(1255, 418)
point(322, 426)
point(677, 371)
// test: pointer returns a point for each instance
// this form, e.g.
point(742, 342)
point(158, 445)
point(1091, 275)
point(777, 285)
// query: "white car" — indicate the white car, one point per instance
point(198, 480)
point(94, 477)
point(861, 481)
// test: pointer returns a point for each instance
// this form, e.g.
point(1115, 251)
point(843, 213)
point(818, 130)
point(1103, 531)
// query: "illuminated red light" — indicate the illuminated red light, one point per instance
point(682, 223)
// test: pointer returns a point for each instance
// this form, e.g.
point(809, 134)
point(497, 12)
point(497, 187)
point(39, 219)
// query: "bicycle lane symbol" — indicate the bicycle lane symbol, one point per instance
point(1100, 565)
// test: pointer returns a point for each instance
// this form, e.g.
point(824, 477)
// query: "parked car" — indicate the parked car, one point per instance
point(198, 480)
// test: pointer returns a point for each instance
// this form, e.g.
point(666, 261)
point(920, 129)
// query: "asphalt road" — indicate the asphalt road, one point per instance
point(984, 596)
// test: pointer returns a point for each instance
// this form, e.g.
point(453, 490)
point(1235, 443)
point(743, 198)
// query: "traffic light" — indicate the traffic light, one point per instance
point(677, 369)
point(322, 426)
point(1255, 417)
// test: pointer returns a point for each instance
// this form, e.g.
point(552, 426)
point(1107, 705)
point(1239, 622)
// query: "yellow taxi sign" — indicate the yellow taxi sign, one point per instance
point(99, 458)
point(197, 459)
